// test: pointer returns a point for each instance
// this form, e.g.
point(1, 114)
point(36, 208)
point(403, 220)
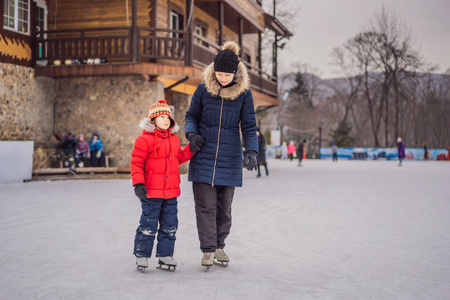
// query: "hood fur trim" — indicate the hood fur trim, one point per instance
point(148, 126)
point(213, 87)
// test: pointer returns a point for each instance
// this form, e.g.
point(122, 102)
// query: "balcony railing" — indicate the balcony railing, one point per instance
point(152, 45)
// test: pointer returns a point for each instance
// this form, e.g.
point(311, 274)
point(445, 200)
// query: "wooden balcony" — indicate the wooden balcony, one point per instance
point(129, 51)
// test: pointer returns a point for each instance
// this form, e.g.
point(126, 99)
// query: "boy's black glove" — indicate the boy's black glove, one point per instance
point(195, 142)
point(250, 160)
point(140, 191)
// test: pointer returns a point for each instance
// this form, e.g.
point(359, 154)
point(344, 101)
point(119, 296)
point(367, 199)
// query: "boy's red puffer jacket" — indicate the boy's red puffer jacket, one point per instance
point(159, 173)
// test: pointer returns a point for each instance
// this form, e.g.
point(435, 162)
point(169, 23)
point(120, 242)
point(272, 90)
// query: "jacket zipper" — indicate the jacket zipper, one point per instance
point(218, 141)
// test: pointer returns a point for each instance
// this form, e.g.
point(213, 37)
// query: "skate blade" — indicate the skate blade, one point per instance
point(221, 263)
point(168, 268)
point(141, 269)
point(207, 267)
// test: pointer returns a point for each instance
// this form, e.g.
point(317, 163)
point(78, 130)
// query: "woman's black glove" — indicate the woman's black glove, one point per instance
point(140, 191)
point(250, 160)
point(195, 142)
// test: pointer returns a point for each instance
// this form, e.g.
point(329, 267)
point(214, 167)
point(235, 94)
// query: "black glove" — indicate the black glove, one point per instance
point(250, 160)
point(140, 191)
point(195, 142)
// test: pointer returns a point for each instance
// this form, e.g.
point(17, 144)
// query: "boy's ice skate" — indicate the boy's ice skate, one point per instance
point(221, 258)
point(167, 263)
point(208, 260)
point(141, 263)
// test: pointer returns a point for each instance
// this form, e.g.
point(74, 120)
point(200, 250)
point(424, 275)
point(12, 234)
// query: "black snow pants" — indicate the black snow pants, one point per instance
point(213, 212)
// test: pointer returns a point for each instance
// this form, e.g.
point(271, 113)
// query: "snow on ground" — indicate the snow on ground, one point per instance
point(349, 230)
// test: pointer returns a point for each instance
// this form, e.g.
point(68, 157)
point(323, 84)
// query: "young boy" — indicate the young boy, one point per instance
point(156, 179)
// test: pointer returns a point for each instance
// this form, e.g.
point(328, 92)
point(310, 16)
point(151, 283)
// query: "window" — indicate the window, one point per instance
point(175, 24)
point(201, 29)
point(247, 56)
point(40, 19)
point(16, 15)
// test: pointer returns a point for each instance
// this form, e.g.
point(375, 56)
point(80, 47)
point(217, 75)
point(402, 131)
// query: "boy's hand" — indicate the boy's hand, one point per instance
point(195, 142)
point(140, 191)
point(250, 160)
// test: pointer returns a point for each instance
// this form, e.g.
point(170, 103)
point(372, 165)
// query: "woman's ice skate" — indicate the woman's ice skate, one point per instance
point(141, 263)
point(208, 260)
point(221, 258)
point(167, 263)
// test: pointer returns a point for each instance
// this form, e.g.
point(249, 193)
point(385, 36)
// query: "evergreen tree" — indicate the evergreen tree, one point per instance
point(342, 135)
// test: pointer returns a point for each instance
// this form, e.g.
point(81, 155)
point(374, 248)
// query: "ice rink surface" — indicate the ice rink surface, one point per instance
point(348, 230)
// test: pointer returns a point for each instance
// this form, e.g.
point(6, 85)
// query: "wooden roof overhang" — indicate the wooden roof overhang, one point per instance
point(232, 12)
point(276, 26)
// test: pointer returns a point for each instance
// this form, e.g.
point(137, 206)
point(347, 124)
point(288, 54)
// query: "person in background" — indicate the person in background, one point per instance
point(261, 158)
point(300, 152)
point(334, 150)
point(68, 147)
point(96, 146)
point(425, 151)
point(291, 150)
point(69, 143)
point(284, 151)
point(82, 151)
point(401, 151)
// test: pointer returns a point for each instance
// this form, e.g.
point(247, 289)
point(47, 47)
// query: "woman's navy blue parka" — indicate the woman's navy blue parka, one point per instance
point(218, 115)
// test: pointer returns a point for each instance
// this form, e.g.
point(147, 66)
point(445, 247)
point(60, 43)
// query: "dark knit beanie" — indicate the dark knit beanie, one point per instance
point(227, 59)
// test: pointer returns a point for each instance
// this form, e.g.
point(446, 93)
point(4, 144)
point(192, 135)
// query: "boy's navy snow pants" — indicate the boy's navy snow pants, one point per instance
point(154, 211)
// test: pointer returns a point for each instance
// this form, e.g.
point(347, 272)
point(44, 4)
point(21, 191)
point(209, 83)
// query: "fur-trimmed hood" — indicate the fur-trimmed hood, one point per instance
point(241, 79)
point(148, 126)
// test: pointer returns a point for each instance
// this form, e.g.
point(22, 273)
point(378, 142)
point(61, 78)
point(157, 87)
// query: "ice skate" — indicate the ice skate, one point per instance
point(141, 263)
point(167, 263)
point(72, 170)
point(221, 258)
point(208, 260)
point(299, 164)
point(399, 164)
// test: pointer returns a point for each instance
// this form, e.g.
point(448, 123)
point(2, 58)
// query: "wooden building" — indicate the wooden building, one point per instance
point(95, 52)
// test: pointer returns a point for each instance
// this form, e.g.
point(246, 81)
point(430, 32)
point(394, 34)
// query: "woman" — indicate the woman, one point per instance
point(401, 151)
point(221, 107)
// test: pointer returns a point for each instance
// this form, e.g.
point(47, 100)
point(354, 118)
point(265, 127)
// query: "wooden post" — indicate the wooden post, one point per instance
point(221, 22)
point(1, 16)
point(134, 46)
point(260, 59)
point(274, 56)
point(241, 36)
point(33, 42)
point(189, 28)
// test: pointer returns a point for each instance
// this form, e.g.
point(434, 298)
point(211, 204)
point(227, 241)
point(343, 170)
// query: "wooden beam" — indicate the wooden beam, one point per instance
point(189, 28)
point(241, 36)
point(221, 22)
point(118, 69)
point(134, 34)
point(33, 44)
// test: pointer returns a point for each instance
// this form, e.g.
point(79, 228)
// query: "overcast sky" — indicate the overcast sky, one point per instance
point(322, 25)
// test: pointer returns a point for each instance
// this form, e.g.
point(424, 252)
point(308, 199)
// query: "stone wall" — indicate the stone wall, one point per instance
point(111, 106)
point(26, 112)
point(41, 109)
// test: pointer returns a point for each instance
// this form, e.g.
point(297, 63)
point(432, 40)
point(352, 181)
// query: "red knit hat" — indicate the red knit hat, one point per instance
point(160, 108)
